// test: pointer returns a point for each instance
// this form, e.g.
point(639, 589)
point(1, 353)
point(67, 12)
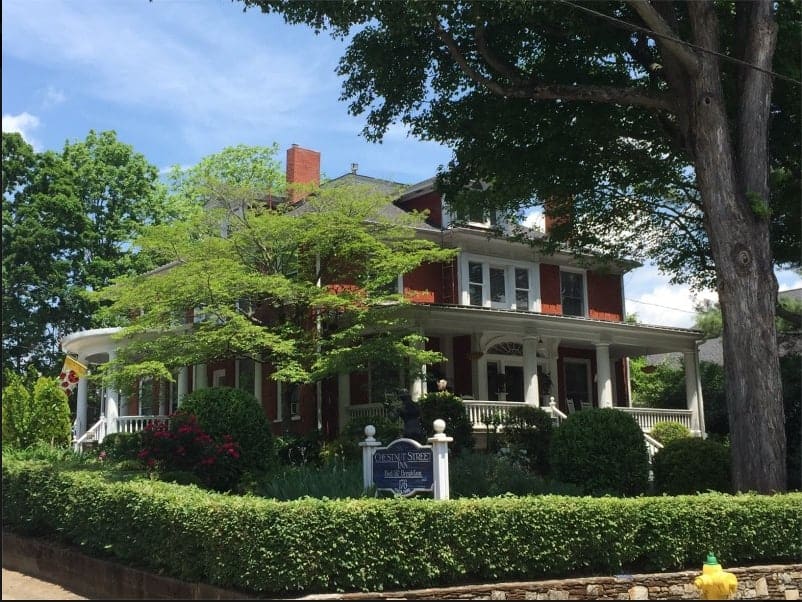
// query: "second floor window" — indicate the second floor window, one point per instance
point(489, 283)
point(572, 292)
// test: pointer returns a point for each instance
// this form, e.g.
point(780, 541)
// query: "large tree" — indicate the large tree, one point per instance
point(308, 288)
point(68, 220)
point(650, 120)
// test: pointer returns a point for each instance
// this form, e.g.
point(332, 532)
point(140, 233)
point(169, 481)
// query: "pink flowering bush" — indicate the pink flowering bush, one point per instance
point(182, 445)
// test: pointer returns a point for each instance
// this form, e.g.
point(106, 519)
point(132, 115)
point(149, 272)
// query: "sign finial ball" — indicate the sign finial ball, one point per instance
point(370, 430)
point(439, 426)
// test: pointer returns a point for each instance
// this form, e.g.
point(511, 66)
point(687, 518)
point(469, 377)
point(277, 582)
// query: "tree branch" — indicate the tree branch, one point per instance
point(531, 90)
point(658, 25)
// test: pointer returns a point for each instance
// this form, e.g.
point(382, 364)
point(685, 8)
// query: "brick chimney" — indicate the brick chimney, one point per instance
point(556, 212)
point(303, 167)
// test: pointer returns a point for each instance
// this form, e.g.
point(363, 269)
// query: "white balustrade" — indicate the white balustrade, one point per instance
point(96, 434)
point(484, 414)
point(648, 417)
point(135, 424)
point(367, 410)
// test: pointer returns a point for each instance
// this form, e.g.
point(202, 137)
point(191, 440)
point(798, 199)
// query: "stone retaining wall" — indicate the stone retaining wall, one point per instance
point(95, 578)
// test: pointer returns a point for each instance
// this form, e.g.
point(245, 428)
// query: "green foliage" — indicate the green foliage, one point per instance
point(345, 448)
point(602, 451)
point(692, 465)
point(117, 447)
point(51, 413)
point(254, 273)
point(17, 411)
point(478, 474)
point(41, 416)
point(299, 450)
point(68, 221)
point(528, 431)
point(223, 411)
point(450, 408)
point(657, 386)
point(334, 480)
point(708, 319)
point(667, 431)
point(310, 546)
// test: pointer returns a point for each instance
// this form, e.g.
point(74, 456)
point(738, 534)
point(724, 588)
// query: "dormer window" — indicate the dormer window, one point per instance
point(573, 293)
point(478, 218)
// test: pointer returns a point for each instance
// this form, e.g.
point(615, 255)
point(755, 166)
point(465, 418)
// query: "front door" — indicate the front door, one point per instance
point(577, 382)
point(515, 383)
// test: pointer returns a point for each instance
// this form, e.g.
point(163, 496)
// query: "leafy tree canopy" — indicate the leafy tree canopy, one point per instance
point(68, 221)
point(466, 73)
point(308, 288)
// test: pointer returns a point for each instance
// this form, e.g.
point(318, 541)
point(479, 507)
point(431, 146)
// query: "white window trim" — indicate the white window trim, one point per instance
point(217, 377)
point(509, 265)
point(584, 274)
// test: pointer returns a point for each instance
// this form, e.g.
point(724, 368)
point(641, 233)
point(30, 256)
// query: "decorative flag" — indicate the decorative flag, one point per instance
point(71, 373)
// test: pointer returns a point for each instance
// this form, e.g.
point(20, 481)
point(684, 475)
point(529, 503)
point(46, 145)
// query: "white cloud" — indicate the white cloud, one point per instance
point(655, 301)
point(52, 97)
point(23, 123)
point(215, 82)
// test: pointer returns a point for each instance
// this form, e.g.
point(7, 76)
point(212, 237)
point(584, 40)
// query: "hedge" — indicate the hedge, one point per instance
point(269, 547)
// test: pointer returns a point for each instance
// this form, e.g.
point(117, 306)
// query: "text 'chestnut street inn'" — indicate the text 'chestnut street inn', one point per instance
point(516, 327)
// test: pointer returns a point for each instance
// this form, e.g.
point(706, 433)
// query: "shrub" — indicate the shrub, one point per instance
point(692, 465)
point(450, 408)
point(39, 417)
point(345, 448)
point(117, 447)
point(667, 431)
point(379, 545)
point(298, 451)
point(180, 445)
point(602, 451)
point(527, 433)
point(225, 411)
point(477, 474)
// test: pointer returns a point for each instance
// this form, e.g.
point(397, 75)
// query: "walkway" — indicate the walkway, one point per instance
point(18, 586)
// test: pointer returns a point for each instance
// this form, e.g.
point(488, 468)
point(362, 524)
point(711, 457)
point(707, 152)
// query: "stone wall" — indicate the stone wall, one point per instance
point(66, 566)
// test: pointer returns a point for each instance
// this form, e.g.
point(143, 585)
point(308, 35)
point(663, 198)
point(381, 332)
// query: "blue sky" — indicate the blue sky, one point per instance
point(182, 79)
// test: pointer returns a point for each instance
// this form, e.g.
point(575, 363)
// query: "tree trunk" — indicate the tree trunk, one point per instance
point(733, 184)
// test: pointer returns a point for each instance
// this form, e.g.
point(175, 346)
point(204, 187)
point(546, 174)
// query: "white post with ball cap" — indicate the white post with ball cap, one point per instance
point(368, 446)
point(439, 444)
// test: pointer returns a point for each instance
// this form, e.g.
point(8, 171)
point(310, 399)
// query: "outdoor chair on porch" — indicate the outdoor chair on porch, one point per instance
point(570, 403)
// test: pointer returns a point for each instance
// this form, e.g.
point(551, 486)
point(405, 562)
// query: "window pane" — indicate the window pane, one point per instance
point(572, 285)
point(475, 272)
point(475, 291)
point(498, 291)
point(521, 299)
point(521, 278)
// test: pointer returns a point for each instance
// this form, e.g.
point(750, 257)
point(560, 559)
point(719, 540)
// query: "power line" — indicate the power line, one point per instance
point(687, 311)
point(653, 33)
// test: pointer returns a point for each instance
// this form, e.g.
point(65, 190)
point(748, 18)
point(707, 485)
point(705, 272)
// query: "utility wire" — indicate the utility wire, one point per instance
point(687, 311)
point(634, 27)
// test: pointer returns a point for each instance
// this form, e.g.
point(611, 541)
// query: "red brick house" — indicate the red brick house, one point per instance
point(501, 313)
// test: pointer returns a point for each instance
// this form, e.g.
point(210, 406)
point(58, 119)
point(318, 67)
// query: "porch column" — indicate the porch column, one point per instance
point(531, 386)
point(112, 404)
point(82, 404)
point(257, 381)
point(343, 399)
point(604, 385)
point(183, 384)
point(201, 380)
point(693, 392)
point(553, 350)
point(162, 397)
point(418, 387)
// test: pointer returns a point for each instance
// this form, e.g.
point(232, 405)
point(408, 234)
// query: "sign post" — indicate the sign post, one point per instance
point(368, 446)
point(405, 467)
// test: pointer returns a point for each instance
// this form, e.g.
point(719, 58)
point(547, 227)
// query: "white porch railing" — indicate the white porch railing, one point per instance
point(94, 434)
point(367, 410)
point(652, 445)
point(648, 417)
point(134, 424)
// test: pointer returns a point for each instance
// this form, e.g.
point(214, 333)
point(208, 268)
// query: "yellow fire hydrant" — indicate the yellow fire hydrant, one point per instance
point(715, 583)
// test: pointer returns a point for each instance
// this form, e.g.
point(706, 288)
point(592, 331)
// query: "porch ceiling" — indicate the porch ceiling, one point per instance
point(583, 333)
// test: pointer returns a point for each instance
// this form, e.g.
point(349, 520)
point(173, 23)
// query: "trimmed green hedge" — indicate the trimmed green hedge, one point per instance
point(270, 547)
